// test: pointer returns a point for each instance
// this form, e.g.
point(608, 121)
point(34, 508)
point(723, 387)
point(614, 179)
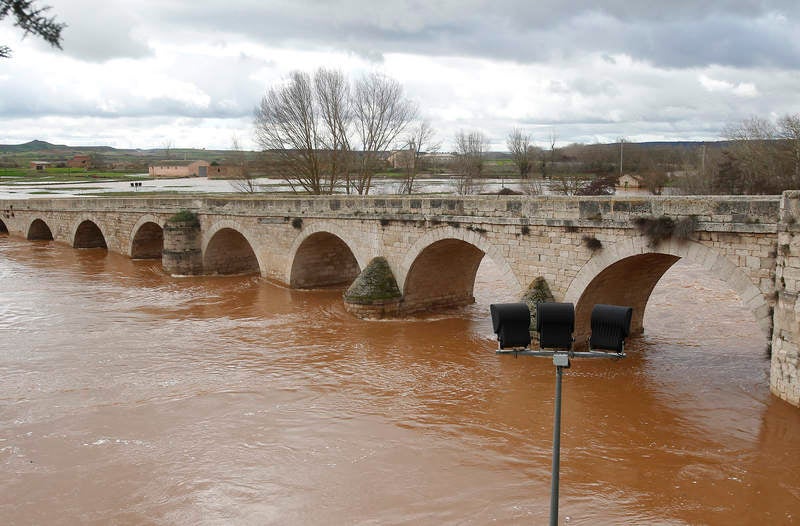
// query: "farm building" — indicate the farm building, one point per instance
point(40, 165)
point(225, 171)
point(629, 181)
point(169, 169)
point(80, 161)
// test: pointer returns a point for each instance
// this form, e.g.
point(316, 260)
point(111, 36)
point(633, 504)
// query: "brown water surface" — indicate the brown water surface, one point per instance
point(130, 397)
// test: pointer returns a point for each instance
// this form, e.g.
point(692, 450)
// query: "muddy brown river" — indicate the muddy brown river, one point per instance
point(130, 397)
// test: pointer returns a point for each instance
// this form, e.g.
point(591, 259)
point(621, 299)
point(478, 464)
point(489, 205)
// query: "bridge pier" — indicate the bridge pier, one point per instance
point(785, 366)
point(374, 293)
point(182, 255)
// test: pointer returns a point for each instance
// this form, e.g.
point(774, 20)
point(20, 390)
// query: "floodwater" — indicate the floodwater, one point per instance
point(130, 397)
point(381, 186)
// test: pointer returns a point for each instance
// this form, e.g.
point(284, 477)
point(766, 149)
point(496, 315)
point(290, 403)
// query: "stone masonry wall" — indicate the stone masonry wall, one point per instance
point(785, 367)
point(736, 238)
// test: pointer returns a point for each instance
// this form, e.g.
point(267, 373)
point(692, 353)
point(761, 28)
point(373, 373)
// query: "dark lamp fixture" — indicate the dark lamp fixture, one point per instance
point(512, 324)
point(611, 324)
point(555, 323)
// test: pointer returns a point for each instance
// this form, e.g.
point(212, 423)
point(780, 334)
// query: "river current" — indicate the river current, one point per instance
point(131, 397)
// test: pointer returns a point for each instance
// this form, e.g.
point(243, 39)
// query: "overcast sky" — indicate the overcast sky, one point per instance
point(140, 74)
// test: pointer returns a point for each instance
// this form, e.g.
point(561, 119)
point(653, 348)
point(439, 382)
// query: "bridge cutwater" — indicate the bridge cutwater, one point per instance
point(401, 255)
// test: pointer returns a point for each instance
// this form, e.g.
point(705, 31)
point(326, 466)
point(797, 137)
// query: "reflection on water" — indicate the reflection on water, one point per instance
point(130, 397)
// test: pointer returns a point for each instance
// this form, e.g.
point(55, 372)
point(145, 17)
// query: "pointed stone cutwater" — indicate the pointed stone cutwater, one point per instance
point(374, 293)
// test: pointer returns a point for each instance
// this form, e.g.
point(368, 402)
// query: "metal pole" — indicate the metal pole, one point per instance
point(556, 450)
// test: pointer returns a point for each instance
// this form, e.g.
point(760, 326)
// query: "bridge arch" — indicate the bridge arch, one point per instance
point(323, 255)
point(39, 231)
point(147, 238)
point(626, 272)
point(228, 248)
point(87, 233)
point(440, 268)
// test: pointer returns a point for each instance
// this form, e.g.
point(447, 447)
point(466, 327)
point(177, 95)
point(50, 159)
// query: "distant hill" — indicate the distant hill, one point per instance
point(44, 146)
point(32, 146)
point(18, 155)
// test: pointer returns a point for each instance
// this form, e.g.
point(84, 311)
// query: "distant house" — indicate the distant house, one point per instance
point(225, 171)
point(629, 181)
point(40, 165)
point(80, 161)
point(168, 169)
point(400, 158)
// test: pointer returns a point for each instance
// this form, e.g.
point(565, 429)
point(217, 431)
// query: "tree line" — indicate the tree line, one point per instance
point(760, 157)
point(323, 132)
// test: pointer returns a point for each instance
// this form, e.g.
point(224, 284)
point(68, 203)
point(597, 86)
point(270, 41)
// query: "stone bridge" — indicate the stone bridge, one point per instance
point(408, 254)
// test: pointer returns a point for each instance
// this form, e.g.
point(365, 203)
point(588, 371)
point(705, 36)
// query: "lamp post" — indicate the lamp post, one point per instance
point(555, 323)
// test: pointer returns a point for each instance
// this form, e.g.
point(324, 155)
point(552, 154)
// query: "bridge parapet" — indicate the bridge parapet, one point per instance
point(713, 213)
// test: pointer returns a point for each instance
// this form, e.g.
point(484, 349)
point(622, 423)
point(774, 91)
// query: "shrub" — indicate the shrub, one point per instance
point(655, 229)
point(684, 227)
point(185, 216)
point(592, 243)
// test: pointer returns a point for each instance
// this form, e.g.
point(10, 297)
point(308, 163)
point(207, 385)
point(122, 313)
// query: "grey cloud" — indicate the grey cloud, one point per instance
point(100, 31)
point(225, 81)
point(671, 34)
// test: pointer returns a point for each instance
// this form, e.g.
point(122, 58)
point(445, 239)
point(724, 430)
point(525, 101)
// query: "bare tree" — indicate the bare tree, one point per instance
point(420, 139)
point(322, 132)
point(568, 183)
point(471, 148)
point(753, 156)
point(380, 113)
point(291, 124)
point(789, 131)
point(553, 137)
point(333, 95)
point(522, 152)
point(243, 180)
point(655, 180)
point(167, 147)
point(32, 21)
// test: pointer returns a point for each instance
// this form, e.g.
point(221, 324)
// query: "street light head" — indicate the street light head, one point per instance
point(611, 324)
point(511, 323)
point(555, 323)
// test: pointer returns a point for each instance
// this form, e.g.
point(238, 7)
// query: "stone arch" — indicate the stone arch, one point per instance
point(625, 273)
point(440, 268)
point(147, 239)
point(87, 233)
point(322, 259)
point(325, 227)
point(39, 231)
point(228, 249)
